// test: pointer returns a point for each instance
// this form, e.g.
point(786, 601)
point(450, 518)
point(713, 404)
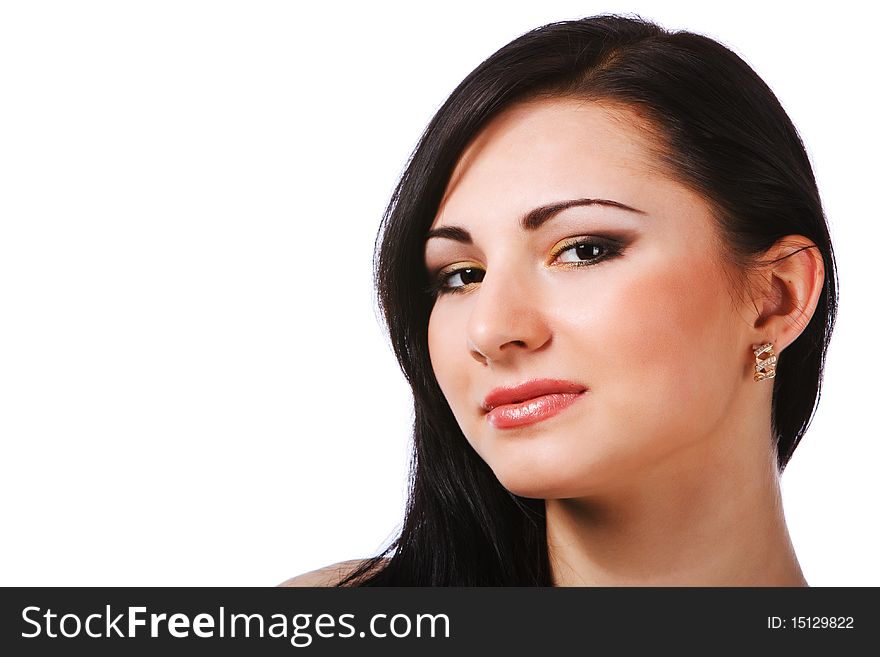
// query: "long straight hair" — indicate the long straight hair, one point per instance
point(721, 131)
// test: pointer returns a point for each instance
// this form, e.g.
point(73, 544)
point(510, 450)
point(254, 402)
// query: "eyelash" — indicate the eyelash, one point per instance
point(439, 286)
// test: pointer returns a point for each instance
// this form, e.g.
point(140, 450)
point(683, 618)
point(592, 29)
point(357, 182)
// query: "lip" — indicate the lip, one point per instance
point(530, 402)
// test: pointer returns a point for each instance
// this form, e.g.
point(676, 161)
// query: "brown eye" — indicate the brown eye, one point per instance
point(467, 276)
point(584, 251)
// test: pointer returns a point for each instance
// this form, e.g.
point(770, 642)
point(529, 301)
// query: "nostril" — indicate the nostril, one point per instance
point(477, 355)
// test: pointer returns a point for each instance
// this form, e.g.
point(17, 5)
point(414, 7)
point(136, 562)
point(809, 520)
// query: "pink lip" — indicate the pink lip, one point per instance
point(530, 402)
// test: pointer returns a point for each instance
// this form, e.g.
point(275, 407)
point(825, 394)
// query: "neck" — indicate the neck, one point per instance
point(719, 524)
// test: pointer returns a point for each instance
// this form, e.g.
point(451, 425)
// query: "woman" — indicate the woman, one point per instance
point(607, 277)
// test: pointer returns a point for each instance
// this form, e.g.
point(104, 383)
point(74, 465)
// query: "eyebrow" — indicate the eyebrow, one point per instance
point(532, 220)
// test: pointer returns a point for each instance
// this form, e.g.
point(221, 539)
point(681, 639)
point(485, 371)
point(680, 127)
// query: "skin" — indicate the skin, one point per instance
point(663, 472)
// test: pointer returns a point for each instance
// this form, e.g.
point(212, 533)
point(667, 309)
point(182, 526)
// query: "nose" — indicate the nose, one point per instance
point(506, 319)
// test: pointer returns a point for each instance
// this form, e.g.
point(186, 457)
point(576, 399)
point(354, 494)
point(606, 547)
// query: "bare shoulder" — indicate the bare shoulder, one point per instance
point(328, 575)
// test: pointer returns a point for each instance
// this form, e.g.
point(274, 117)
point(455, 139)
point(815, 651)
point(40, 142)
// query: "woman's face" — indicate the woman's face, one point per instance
point(629, 305)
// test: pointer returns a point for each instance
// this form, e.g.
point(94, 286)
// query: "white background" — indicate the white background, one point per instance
point(194, 386)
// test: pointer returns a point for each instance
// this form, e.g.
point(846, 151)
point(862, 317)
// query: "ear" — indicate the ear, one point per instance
point(791, 278)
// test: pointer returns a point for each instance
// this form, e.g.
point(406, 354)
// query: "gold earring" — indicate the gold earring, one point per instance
point(765, 368)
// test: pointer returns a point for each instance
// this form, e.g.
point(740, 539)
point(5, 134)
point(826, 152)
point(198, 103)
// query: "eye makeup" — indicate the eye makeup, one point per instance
point(585, 251)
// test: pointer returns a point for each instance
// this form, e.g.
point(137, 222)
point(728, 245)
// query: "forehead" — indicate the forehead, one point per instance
point(554, 148)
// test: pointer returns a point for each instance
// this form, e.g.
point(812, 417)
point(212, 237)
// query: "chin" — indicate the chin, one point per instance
point(556, 474)
point(538, 485)
point(544, 490)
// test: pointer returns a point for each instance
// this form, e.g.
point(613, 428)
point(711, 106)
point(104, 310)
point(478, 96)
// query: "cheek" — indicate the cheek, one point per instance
point(664, 334)
point(446, 346)
point(671, 316)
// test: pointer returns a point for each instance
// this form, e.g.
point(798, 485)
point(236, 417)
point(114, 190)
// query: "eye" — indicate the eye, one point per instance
point(584, 251)
point(455, 281)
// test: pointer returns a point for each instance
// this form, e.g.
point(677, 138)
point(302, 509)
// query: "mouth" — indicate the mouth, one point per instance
point(530, 402)
point(509, 416)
